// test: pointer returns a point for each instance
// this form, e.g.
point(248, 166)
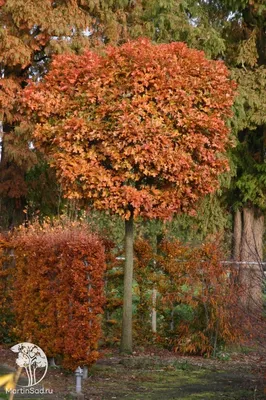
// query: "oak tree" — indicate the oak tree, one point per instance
point(139, 130)
point(33, 31)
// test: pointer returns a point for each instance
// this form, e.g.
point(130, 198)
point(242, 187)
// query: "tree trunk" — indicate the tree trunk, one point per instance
point(126, 342)
point(12, 187)
point(248, 249)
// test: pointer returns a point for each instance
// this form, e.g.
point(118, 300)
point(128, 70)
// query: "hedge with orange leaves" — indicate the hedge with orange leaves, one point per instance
point(58, 290)
point(6, 279)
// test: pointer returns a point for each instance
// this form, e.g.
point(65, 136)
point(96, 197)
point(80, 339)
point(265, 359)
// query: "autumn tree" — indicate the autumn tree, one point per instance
point(32, 32)
point(139, 130)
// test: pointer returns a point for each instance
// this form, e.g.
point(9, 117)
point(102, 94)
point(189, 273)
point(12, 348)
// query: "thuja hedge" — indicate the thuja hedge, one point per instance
point(57, 290)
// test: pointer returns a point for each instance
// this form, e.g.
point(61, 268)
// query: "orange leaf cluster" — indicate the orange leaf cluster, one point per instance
point(197, 298)
point(58, 290)
point(141, 127)
point(198, 279)
point(9, 89)
point(6, 280)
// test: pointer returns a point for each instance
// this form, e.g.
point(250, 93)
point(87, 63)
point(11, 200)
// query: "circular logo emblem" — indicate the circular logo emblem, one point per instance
point(33, 360)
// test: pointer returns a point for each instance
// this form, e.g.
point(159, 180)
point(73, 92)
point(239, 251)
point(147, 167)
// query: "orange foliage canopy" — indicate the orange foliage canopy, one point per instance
point(141, 127)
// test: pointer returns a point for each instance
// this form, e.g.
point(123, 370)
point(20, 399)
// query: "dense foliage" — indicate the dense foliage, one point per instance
point(53, 294)
point(108, 123)
point(163, 152)
point(56, 290)
point(204, 296)
point(6, 274)
point(197, 298)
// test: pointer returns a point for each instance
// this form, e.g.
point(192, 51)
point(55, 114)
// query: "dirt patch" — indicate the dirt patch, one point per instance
point(164, 376)
point(176, 380)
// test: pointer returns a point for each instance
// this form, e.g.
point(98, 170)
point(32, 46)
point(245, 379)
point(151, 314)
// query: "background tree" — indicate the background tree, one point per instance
point(109, 123)
point(249, 186)
point(241, 26)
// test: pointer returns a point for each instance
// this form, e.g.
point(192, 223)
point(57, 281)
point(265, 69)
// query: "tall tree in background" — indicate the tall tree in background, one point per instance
point(243, 29)
point(239, 27)
point(139, 131)
point(250, 121)
point(31, 31)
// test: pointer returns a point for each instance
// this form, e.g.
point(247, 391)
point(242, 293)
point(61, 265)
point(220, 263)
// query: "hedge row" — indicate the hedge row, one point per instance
point(54, 288)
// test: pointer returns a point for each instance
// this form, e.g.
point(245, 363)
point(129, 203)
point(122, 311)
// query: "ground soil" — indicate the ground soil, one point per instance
point(159, 375)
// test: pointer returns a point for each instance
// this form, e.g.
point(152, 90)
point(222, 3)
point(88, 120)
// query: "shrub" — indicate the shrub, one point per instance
point(198, 280)
point(197, 298)
point(58, 290)
point(6, 279)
